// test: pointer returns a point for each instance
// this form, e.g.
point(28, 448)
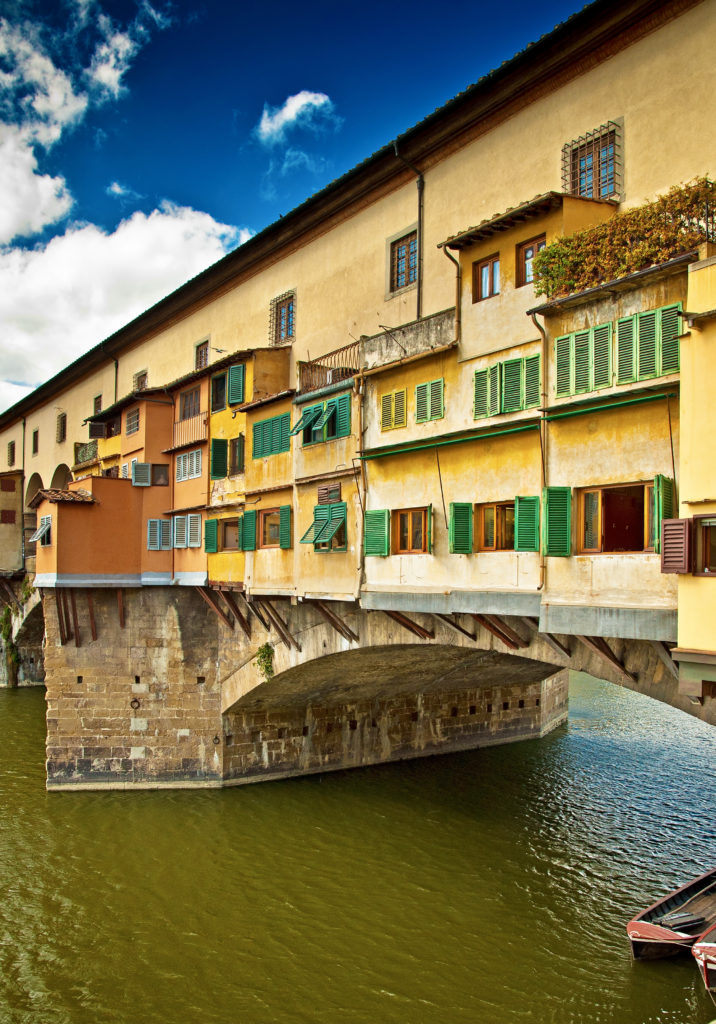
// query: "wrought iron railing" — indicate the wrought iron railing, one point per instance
point(86, 452)
point(195, 428)
point(331, 368)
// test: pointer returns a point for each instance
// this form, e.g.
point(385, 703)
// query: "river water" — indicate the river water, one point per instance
point(491, 886)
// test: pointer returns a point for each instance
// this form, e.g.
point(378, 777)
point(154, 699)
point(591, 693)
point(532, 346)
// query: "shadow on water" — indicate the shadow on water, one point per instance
point(492, 885)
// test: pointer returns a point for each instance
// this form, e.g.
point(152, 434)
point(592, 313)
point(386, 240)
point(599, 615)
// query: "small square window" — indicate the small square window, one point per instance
point(7, 515)
point(160, 474)
point(269, 528)
point(410, 531)
point(189, 404)
point(282, 320)
point(496, 529)
point(11, 453)
point(218, 393)
point(592, 164)
point(97, 404)
point(141, 380)
point(526, 253)
point(486, 278)
point(201, 355)
point(404, 261)
point(132, 421)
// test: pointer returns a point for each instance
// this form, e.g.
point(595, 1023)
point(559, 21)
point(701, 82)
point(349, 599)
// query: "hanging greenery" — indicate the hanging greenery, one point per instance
point(647, 235)
point(264, 660)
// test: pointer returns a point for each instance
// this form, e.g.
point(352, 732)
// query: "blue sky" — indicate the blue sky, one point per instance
point(140, 142)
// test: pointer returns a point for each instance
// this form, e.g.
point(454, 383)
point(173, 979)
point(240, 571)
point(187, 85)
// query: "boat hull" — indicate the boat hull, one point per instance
point(673, 924)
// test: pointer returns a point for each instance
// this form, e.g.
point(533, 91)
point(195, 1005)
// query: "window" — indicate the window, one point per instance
point(7, 484)
point(218, 393)
point(496, 526)
point(404, 261)
point(219, 458)
point(189, 403)
point(510, 386)
point(460, 528)
point(201, 355)
point(11, 453)
point(230, 535)
point(188, 465)
point(393, 409)
point(486, 278)
point(327, 532)
point(583, 361)
point(187, 531)
point(61, 428)
point(141, 474)
point(236, 455)
point(97, 405)
point(623, 518)
point(140, 380)
point(271, 436)
point(282, 320)
point(591, 165)
point(648, 344)
point(160, 474)
point(43, 533)
point(526, 253)
point(411, 530)
point(429, 403)
point(325, 422)
point(705, 546)
point(376, 532)
point(7, 515)
point(159, 534)
point(237, 384)
point(274, 527)
point(131, 422)
point(35, 441)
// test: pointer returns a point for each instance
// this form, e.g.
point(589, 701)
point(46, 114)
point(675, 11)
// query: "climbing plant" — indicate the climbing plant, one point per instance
point(264, 660)
point(650, 234)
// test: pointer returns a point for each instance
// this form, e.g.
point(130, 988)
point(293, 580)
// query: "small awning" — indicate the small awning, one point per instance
point(307, 420)
point(42, 531)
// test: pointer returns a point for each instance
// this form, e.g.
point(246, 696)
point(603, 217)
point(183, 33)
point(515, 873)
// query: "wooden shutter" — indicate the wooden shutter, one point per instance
point(377, 532)
point(337, 517)
point(211, 536)
point(328, 494)
point(237, 378)
point(437, 407)
point(563, 362)
point(321, 515)
point(386, 412)
point(343, 415)
point(558, 520)
point(219, 458)
point(669, 346)
point(581, 362)
point(240, 537)
point(249, 530)
point(284, 526)
point(602, 356)
point(647, 344)
point(400, 408)
point(460, 528)
point(626, 362)
point(179, 531)
point(527, 524)
point(511, 385)
point(532, 381)
point(429, 529)
point(494, 397)
point(141, 474)
point(284, 432)
point(481, 385)
point(193, 530)
point(676, 545)
point(257, 442)
point(165, 534)
point(663, 506)
point(422, 403)
point(153, 536)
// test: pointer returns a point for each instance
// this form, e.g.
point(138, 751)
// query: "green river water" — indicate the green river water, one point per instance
point(491, 886)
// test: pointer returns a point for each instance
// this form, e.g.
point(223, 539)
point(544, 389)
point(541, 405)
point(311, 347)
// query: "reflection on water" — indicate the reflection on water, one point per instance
point(487, 886)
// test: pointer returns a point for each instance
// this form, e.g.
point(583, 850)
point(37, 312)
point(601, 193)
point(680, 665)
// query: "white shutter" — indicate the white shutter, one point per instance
point(141, 474)
point(194, 540)
point(179, 531)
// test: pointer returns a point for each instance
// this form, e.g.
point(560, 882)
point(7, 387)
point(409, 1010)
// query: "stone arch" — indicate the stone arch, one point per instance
point(61, 477)
point(34, 485)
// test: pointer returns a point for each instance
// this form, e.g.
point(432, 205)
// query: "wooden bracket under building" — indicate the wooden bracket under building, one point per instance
point(69, 635)
point(336, 621)
point(453, 624)
point(664, 655)
point(600, 646)
point(253, 607)
point(239, 615)
point(549, 638)
point(90, 611)
point(120, 607)
point(75, 626)
point(213, 601)
point(493, 624)
point(60, 617)
point(12, 597)
point(281, 626)
point(410, 625)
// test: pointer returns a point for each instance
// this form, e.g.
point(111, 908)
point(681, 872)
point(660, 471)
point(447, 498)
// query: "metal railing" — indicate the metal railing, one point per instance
point(85, 453)
point(332, 368)
point(195, 428)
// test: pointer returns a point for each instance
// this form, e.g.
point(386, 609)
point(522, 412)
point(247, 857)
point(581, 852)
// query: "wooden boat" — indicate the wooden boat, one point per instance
point(674, 922)
point(704, 950)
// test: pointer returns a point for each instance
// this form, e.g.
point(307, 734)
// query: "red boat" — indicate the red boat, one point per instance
point(673, 923)
point(704, 950)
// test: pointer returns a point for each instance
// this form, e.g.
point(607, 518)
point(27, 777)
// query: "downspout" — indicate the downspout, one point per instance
point(24, 555)
point(359, 389)
point(542, 443)
point(421, 188)
point(458, 294)
point(116, 375)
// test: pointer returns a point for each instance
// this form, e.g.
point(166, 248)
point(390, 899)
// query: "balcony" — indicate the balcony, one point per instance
point(85, 453)
point(341, 364)
point(190, 430)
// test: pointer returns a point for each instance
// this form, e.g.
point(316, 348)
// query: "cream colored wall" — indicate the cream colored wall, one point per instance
point(271, 570)
point(328, 572)
point(11, 533)
point(272, 470)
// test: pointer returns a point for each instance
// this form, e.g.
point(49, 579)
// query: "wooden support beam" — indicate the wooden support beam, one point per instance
point(90, 610)
point(490, 626)
point(281, 626)
point(333, 619)
point(253, 606)
point(450, 621)
point(12, 599)
point(238, 614)
point(508, 631)
point(213, 603)
point(600, 646)
point(549, 638)
point(664, 655)
point(66, 615)
point(75, 625)
point(120, 608)
point(60, 618)
point(411, 626)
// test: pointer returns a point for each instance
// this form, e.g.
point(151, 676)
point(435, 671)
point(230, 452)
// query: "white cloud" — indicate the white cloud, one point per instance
point(312, 110)
point(28, 200)
point(60, 300)
point(294, 159)
point(112, 58)
point(121, 192)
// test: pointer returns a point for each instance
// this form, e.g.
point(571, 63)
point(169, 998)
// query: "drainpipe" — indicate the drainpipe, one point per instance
point(421, 188)
point(458, 295)
point(359, 390)
point(24, 555)
point(542, 440)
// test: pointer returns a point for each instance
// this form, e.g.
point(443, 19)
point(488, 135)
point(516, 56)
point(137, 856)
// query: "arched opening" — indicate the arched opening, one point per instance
point(29, 521)
point(34, 485)
point(61, 477)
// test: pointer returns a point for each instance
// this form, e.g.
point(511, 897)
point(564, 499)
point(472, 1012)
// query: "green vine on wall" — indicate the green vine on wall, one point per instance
point(264, 660)
point(647, 235)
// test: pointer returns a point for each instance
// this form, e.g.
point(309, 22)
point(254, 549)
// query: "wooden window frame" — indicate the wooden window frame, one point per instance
point(698, 528)
point(96, 405)
point(233, 522)
point(490, 262)
point(396, 548)
point(11, 453)
point(604, 182)
point(410, 271)
point(201, 355)
point(189, 403)
point(499, 509)
point(131, 421)
point(140, 380)
point(218, 401)
point(538, 242)
point(648, 499)
point(237, 455)
point(388, 400)
point(263, 515)
point(283, 319)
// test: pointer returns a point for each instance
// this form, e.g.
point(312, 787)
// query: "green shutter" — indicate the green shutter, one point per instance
point(343, 416)
point(647, 344)
point(581, 362)
point(527, 524)
point(511, 385)
point(493, 406)
point(422, 399)
point(670, 339)
point(532, 381)
point(284, 526)
point(249, 530)
point(558, 520)
point(429, 529)
point(437, 407)
point(563, 361)
point(337, 517)
point(460, 529)
point(399, 408)
point(664, 501)
point(257, 440)
point(307, 418)
point(602, 356)
point(626, 362)
point(481, 388)
point(377, 532)
point(240, 539)
point(211, 536)
point(237, 377)
point(219, 458)
point(321, 515)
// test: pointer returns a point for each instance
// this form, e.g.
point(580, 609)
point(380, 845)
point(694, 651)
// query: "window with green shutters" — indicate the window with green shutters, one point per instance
point(460, 527)
point(429, 401)
point(284, 528)
point(377, 532)
point(664, 507)
point(248, 531)
point(624, 517)
point(211, 536)
point(327, 532)
point(271, 436)
point(487, 391)
point(509, 386)
point(557, 520)
point(648, 344)
point(219, 458)
point(237, 384)
point(325, 422)
point(583, 361)
point(527, 523)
